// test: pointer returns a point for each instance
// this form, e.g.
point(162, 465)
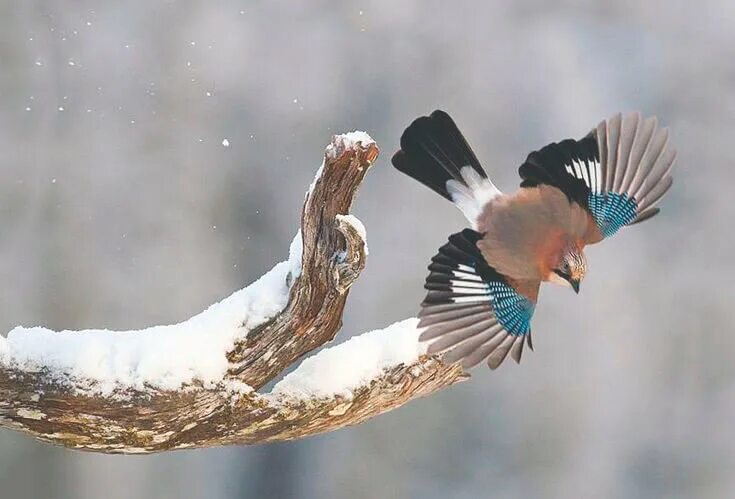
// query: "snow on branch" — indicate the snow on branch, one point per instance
point(195, 384)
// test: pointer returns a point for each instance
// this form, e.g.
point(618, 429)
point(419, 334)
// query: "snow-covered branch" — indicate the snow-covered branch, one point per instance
point(194, 384)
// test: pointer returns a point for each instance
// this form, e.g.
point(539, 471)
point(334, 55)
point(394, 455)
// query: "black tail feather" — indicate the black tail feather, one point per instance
point(433, 151)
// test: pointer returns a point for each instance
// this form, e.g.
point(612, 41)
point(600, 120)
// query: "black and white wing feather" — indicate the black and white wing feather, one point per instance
point(471, 312)
point(618, 172)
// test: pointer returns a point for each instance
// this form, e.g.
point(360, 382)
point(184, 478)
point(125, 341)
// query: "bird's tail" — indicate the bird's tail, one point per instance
point(434, 152)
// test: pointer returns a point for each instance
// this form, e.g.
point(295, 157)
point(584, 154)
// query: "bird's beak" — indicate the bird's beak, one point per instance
point(575, 285)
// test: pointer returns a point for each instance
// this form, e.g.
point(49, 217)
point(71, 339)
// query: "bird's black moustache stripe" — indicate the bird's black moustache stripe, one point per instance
point(563, 275)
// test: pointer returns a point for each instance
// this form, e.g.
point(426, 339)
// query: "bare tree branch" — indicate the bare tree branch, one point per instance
point(58, 409)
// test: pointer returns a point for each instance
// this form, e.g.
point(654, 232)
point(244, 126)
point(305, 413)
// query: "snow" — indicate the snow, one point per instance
point(357, 225)
point(162, 357)
point(350, 141)
point(353, 138)
point(354, 222)
point(294, 255)
point(317, 176)
point(341, 369)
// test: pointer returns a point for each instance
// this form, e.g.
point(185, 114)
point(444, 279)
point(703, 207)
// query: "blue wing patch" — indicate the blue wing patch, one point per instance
point(471, 310)
point(618, 172)
point(612, 211)
point(513, 310)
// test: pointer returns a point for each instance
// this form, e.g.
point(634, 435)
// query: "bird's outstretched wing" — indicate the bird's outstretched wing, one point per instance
point(618, 172)
point(471, 311)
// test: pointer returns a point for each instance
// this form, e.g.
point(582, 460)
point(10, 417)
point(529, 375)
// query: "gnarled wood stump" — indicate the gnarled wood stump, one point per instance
point(44, 405)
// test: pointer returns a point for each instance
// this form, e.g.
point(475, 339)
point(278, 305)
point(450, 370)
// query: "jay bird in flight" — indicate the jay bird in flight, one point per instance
point(483, 283)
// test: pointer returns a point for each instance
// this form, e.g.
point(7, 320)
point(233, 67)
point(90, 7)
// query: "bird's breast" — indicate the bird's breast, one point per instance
point(524, 233)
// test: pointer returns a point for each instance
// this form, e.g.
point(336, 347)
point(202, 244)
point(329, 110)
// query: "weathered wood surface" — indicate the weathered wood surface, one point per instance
point(53, 410)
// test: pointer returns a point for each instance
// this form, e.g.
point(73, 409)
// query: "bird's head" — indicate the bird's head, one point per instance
point(570, 267)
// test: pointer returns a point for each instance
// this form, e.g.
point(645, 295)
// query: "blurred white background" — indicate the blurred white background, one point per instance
point(121, 208)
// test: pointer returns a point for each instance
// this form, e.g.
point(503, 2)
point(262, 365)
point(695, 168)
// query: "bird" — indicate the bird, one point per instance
point(483, 284)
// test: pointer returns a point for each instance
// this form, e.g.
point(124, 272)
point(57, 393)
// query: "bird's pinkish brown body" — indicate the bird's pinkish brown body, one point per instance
point(526, 232)
point(484, 282)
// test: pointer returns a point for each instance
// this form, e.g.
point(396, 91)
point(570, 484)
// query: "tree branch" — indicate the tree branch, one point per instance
point(143, 407)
